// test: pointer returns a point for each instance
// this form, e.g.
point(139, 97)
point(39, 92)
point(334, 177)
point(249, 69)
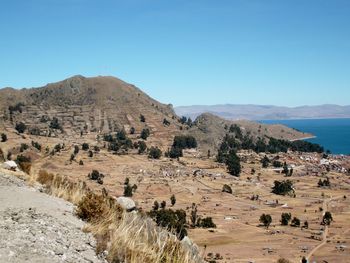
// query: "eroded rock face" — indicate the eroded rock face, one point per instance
point(35, 227)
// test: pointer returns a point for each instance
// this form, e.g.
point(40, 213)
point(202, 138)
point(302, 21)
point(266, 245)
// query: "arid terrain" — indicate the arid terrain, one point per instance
point(195, 178)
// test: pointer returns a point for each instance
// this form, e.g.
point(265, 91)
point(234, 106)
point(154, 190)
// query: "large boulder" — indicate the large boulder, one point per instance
point(127, 203)
point(10, 165)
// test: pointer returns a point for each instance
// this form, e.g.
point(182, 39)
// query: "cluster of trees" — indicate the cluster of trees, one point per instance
point(181, 142)
point(324, 183)
point(282, 187)
point(227, 154)
point(96, 176)
point(118, 141)
point(187, 121)
point(295, 222)
point(235, 139)
point(16, 108)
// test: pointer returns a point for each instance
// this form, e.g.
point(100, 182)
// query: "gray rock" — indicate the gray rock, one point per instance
point(127, 203)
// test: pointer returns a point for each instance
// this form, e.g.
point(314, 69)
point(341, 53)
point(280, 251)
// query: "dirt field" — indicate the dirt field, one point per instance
point(238, 236)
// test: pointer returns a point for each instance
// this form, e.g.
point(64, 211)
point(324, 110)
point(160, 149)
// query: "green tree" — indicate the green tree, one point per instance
point(233, 163)
point(145, 133)
point(266, 220)
point(21, 127)
point(3, 137)
point(285, 218)
point(155, 205)
point(295, 222)
point(127, 190)
point(163, 205)
point(327, 218)
point(142, 147)
point(173, 200)
point(154, 153)
point(85, 146)
point(142, 118)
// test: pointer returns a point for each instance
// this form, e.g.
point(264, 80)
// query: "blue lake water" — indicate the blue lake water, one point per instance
point(332, 134)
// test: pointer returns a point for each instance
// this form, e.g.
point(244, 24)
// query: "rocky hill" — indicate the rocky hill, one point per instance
point(83, 105)
point(209, 130)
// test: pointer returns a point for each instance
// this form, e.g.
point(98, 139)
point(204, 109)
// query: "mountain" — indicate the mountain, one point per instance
point(85, 105)
point(266, 112)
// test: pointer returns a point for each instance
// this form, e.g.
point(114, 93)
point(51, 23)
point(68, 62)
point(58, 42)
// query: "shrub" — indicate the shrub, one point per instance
point(127, 190)
point(54, 124)
point(154, 153)
point(85, 146)
point(3, 137)
point(175, 152)
point(283, 260)
point(76, 149)
point(2, 156)
point(174, 221)
point(163, 205)
point(142, 118)
point(155, 205)
point(295, 222)
point(227, 189)
point(266, 220)
point(45, 178)
point(285, 218)
point(90, 154)
point(206, 222)
point(166, 122)
point(81, 162)
point(23, 147)
point(91, 208)
point(142, 147)
point(327, 218)
point(17, 107)
point(24, 163)
point(96, 176)
point(36, 145)
point(145, 133)
point(21, 127)
point(132, 130)
point(173, 200)
point(282, 188)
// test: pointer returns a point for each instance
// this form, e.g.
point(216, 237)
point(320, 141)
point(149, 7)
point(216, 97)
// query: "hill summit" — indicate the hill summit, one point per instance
point(81, 105)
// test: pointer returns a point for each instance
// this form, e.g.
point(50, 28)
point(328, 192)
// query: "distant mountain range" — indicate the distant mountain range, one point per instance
point(266, 112)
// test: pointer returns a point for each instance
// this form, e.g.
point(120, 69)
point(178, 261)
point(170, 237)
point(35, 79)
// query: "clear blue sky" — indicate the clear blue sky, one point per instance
point(281, 52)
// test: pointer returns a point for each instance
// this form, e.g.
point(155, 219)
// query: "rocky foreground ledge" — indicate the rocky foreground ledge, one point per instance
point(35, 227)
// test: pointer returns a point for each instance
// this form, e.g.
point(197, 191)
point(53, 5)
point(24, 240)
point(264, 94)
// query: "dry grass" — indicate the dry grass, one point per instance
point(128, 237)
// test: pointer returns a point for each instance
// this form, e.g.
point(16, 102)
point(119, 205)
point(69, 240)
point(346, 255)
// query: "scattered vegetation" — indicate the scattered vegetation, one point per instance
point(54, 124)
point(36, 145)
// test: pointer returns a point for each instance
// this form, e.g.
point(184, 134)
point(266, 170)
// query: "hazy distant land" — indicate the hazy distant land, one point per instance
point(266, 112)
